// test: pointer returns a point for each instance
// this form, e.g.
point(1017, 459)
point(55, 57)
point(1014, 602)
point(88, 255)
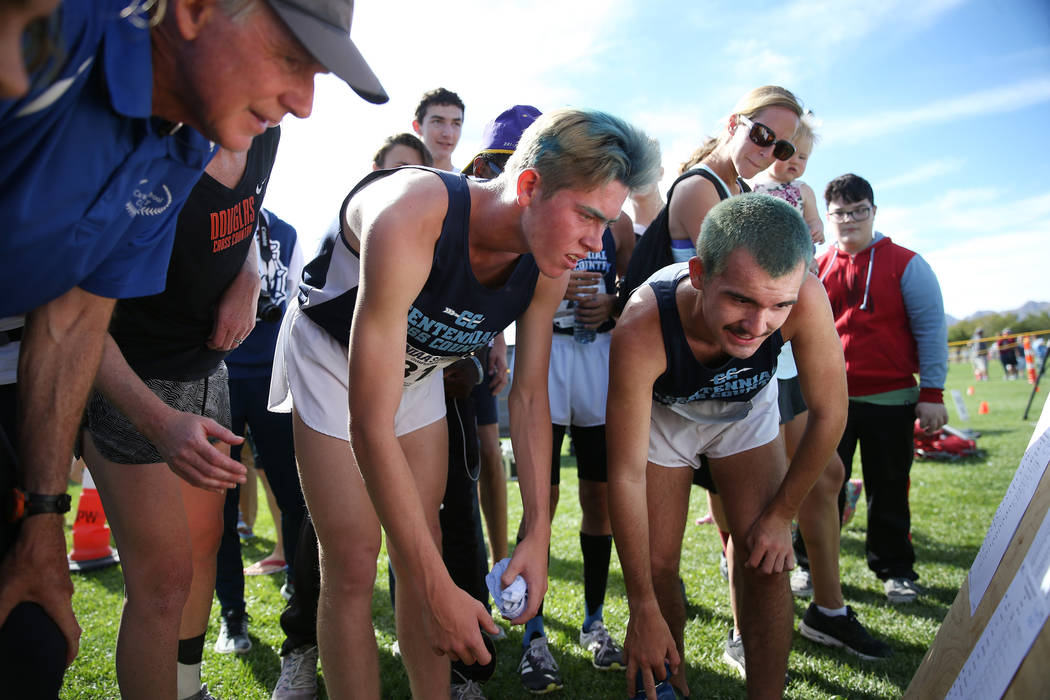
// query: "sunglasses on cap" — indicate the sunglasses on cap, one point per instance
point(764, 137)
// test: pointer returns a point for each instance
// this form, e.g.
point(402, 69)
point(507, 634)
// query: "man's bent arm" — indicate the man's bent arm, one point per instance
point(183, 439)
point(822, 377)
point(633, 367)
point(530, 435)
point(61, 347)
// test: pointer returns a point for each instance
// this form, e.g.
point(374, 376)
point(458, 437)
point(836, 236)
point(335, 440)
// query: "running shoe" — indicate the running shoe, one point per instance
point(463, 688)
point(734, 653)
point(538, 669)
point(842, 631)
point(901, 590)
point(233, 633)
point(298, 680)
point(801, 582)
point(607, 654)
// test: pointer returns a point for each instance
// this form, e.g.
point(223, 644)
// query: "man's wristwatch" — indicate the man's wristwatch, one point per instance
point(22, 504)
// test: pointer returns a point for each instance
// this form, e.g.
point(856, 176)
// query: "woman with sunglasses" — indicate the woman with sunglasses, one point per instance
point(757, 132)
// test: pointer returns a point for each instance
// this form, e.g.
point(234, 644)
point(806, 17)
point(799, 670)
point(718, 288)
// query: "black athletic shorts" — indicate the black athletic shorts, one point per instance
point(589, 444)
point(790, 399)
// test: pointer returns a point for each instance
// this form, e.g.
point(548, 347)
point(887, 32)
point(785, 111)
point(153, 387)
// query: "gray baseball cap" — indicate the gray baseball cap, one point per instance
point(323, 27)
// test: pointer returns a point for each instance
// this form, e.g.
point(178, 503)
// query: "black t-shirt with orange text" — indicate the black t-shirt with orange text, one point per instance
point(163, 336)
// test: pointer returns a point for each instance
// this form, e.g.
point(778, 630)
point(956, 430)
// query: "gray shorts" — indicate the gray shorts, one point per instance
point(120, 442)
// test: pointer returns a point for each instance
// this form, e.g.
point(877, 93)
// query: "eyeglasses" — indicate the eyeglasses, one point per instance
point(841, 216)
point(764, 137)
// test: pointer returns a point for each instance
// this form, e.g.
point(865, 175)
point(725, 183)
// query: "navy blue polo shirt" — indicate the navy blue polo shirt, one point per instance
point(90, 184)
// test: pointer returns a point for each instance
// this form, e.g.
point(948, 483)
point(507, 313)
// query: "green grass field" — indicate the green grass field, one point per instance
point(952, 506)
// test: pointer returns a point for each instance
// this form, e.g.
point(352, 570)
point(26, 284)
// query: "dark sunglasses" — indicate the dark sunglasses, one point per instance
point(764, 137)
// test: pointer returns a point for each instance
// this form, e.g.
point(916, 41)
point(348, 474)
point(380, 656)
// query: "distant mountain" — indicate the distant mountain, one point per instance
point(1028, 308)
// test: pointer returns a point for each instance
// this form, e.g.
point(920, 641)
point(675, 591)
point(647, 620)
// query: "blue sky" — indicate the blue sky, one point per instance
point(944, 105)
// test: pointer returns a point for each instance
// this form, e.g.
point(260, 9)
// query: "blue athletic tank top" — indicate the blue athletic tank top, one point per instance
point(453, 315)
point(604, 261)
point(686, 380)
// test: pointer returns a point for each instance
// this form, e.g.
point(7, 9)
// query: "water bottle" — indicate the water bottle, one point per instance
point(583, 334)
point(580, 333)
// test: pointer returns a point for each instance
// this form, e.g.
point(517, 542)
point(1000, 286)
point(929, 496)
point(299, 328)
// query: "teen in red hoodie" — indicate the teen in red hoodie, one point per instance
point(890, 316)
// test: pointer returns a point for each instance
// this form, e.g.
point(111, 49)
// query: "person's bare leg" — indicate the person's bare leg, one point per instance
point(594, 502)
point(149, 523)
point(667, 498)
point(204, 519)
point(348, 536)
point(426, 450)
point(718, 514)
point(818, 519)
point(493, 490)
point(275, 513)
point(747, 482)
point(248, 501)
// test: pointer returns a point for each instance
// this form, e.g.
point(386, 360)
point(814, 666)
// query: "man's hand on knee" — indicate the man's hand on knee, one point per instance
point(35, 570)
point(769, 545)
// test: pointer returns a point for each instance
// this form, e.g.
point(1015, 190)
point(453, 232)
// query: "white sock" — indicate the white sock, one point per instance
point(832, 612)
point(189, 679)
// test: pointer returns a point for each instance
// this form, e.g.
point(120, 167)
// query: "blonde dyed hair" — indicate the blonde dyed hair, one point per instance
point(750, 105)
point(585, 149)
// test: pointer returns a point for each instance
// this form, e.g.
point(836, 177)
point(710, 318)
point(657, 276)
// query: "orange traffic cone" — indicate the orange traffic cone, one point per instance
point(1029, 359)
point(969, 391)
point(91, 548)
point(983, 408)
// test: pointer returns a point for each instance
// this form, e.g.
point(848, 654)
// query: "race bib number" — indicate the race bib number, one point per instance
point(419, 365)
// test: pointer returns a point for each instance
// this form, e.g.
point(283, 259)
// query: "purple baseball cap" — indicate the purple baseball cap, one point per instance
point(323, 27)
point(501, 135)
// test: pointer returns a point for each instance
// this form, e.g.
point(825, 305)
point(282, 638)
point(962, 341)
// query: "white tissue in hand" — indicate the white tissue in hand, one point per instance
point(511, 600)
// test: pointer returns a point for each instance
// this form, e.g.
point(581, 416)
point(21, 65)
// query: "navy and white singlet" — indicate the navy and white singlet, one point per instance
point(453, 315)
point(686, 382)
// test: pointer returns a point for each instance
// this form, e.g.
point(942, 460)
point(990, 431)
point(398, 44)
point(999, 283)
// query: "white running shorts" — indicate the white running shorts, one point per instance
point(578, 380)
point(729, 428)
point(310, 372)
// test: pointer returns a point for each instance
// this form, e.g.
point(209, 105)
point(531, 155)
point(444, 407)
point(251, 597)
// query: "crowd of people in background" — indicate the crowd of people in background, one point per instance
point(161, 312)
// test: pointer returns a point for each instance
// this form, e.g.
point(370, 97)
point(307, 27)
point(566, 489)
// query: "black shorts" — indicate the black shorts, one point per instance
point(790, 399)
point(702, 476)
point(120, 442)
point(485, 403)
point(589, 444)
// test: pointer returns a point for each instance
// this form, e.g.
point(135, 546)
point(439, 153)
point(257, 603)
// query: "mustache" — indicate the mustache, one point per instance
point(738, 330)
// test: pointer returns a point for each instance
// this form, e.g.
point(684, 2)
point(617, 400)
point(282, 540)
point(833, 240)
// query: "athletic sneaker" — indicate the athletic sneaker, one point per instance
point(842, 631)
point(463, 688)
point(734, 653)
point(900, 590)
point(203, 694)
point(298, 679)
point(233, 633)
point(538, 669)
point(607, 653)
point(801, 582)
point(723, 566)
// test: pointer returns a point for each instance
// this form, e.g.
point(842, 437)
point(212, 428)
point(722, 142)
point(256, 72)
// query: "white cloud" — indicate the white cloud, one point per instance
point(1007, 98)
point(995, 271)
point(922, 174)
